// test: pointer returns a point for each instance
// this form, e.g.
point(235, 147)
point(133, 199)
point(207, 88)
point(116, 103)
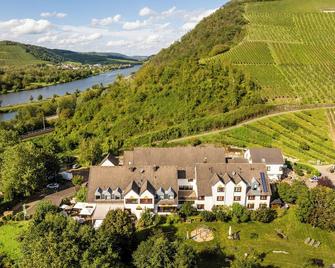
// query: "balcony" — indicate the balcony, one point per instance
point(146, 201)
point(131, 201)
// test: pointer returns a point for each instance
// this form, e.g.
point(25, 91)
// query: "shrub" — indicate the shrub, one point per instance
point(207, 216)
point(77, 180)
point(173, 219)
point(264, 215)
point(222, 213)
point(240, 213)
point(187, 210)
point(19, 216)
point(81, 194)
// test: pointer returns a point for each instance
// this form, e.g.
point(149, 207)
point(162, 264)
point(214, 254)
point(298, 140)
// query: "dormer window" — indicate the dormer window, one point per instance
point(170, 193)
point(181, 174)
point(107, 194)
point(160, 193)
point(117, 193)
point(98, 193)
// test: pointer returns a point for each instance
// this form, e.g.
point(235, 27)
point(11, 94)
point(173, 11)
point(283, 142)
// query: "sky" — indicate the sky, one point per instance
point(132, 27)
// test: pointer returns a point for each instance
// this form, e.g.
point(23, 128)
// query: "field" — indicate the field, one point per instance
point(307, 136)
point(267, 241)
point(289, 49)
point(8, 238)
point(16, 55)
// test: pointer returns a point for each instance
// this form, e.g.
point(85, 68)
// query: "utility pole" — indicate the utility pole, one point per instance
point(43, 118)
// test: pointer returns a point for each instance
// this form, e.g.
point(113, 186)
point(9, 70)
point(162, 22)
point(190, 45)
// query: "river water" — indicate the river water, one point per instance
point(61, 89)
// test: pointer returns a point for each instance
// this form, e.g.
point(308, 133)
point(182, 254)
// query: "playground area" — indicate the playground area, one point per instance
point(202, 234)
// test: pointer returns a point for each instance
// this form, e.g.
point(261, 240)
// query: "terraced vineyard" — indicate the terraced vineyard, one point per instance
point(289, 49)
point(307, 136)
point(15, 55)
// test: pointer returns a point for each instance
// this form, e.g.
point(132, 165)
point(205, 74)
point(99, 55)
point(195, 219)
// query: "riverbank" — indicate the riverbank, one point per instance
point(23, 97)
point(38, 85)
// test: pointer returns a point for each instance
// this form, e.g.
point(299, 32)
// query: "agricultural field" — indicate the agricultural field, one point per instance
point(289, 49)
point(307, 136)
point(262, 238)
point(16, 55)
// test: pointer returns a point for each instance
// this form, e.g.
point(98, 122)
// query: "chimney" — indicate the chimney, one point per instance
point(155, 168)
point(132, 169)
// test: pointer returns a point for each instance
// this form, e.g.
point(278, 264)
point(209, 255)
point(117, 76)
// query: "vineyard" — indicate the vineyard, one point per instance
point(289, 48)
point(15, 55)
point(307, 135)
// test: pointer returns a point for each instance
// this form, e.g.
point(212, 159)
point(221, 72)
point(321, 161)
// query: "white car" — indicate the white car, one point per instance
point(66, 175)
point(53, 186)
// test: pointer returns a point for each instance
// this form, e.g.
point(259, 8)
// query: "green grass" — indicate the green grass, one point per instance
point(8, 238)
point(289, 49)
point(266, 242)
point(16, 55)
point(288, 132)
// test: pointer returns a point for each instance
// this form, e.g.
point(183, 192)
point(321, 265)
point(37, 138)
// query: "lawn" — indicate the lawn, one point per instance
point(267, 241)
point(8, 238)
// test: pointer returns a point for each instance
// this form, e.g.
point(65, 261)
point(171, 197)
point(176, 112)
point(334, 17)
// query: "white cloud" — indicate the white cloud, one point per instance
point(59, 15)
point(106, 21)
point(25, 26)
point(134, 25)
point(118, 43)
point(170, 11)
point(193, 18)
point(146, 11)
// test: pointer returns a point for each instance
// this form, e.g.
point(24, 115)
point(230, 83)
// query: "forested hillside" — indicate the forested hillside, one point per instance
point(173, 94)
point(14, 53)
point(289, 50)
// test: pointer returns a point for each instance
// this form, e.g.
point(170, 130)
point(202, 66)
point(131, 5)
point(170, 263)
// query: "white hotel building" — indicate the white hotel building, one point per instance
point(161, 179)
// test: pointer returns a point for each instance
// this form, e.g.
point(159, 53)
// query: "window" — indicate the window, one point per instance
point(220, 198)
point(268, 168)
point(238, 189)
point(190, 180)
point(220, 189)
point(181, 174)
point(250, 206)
point(131, 201)
point(185, 187)
point(200, 206)
point(237, 198)
point(263, 206)
point(264, 197)
point(251, 197)
point(97, 197)
point(201, 197)
point(146, 201)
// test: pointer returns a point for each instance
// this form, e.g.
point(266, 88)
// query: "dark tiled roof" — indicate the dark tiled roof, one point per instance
point(175, 156)
point(227, 172)
point(266, 155)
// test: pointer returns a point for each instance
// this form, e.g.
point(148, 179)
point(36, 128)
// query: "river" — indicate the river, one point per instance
point(61, 89)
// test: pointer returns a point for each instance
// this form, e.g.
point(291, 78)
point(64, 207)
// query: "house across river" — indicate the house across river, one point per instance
point(162, 179)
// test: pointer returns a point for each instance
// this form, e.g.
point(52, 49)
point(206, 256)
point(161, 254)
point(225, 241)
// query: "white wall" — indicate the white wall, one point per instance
point(275, 172)
point(258, 201)
point(107, 163)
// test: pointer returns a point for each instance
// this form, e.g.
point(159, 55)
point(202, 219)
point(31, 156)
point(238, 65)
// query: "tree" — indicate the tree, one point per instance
point(240, 213)
point(42, 209)
point(8, 138)
point(147, 219)
point(23, 170)
point(90, 152)
point(117, 230)
point(158, 251)
point(289, 193)
point(264, 215)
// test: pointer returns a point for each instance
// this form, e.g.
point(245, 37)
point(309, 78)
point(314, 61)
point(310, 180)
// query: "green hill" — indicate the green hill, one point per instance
point(236, 64)
point(14, 53)
point(289, 49)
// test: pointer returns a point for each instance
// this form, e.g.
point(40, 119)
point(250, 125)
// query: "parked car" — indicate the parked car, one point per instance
point(66, 175)
point(314, 179)
point(53, 186)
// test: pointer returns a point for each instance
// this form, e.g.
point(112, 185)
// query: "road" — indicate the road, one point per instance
point(217, 131)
